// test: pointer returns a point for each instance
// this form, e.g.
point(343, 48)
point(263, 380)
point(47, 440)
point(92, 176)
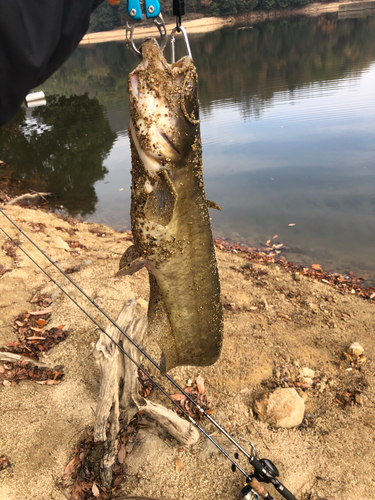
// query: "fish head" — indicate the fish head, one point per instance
point(164, 108)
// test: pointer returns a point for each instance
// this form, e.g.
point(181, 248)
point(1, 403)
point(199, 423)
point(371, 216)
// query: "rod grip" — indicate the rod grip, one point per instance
point(283, 491)
point(178, 8)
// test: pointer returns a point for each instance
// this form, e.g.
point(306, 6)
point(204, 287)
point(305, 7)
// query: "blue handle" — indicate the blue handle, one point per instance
point(152, 8)
point(134, 10)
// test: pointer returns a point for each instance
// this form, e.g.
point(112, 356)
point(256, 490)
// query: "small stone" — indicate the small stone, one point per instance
point(60, 243)
point(143, 303)
point(356, 350)
point(307, 372)
point(359, 399)
point(281, 408)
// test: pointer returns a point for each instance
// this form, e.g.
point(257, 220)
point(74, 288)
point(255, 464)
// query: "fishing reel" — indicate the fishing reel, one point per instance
point(265, 471)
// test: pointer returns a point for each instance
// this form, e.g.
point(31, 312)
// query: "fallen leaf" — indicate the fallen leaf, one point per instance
point(317, 267)
point(278, 246)
point(291, 224)
point(372, 296)
point(200, 384)
point(70, 468)
point(178, 397)
point(121, 454)
point(276, 236)
point(13, 344)
point(41, 322)
point(36, 338)
point(121, 189)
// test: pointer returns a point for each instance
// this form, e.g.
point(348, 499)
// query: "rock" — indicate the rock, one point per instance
point(359, 399)
point(281, 408)
point(143, 303)
point(356, 350)
point(60, 243)
point(307, 375)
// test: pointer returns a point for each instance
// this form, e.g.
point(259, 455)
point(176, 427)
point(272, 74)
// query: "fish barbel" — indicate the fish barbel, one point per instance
point(169, 211)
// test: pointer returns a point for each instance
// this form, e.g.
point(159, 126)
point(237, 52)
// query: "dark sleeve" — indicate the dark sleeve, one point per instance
point(36, 38)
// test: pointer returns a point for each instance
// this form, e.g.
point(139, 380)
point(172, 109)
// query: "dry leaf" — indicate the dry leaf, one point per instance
point(69, 468)
point(291, 224)
point(276, 236)
point(121, 454)
point(372, 296)
point(200, 384)
point(41, 322)
point(317, 267)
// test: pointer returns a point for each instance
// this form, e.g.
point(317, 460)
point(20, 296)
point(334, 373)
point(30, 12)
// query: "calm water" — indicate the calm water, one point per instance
point(288, 128)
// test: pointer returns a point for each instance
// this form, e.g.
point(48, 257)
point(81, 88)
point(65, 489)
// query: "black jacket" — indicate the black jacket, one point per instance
point(36, 38)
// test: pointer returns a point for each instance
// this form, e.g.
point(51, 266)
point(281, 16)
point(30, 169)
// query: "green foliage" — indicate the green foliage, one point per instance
point(107, 17)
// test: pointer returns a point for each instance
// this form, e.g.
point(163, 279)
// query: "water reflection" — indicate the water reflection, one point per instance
point(51, 149)
point(288, 132)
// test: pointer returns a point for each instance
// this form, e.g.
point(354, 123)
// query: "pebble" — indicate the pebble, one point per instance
point(281, 408)
point(359, 399)
point(356, 350)
point(307, 372)
point(60, 243)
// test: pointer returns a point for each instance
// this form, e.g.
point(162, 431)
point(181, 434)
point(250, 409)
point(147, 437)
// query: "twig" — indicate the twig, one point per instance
point(28, 196)
point(13, 358)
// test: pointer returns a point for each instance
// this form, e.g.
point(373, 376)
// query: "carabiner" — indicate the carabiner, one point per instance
point(173, 43)
point(135, 10)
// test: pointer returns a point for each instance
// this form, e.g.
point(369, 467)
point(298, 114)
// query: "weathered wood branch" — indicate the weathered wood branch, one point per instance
point(28, 196)
point(119, 390)
point(13, 358)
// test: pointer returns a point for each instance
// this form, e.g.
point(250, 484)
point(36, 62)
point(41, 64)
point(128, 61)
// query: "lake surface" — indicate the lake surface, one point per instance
point(288, 130)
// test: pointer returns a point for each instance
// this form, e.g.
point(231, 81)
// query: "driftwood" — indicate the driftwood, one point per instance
point(13, 358)
point(28, 196)
point(119, 390)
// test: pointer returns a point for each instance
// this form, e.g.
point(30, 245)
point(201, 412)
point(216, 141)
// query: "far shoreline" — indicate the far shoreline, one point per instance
point(208, 24)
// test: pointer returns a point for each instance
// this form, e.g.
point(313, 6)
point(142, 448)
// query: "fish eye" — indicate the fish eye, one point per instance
point(190, 87)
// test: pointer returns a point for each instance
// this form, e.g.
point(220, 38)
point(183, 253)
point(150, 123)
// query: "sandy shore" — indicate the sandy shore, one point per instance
point(276, 320)
point(207, 24)
point(202, 25)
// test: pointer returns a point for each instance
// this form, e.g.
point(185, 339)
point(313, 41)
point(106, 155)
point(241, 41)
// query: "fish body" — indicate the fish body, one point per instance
point(169, 212)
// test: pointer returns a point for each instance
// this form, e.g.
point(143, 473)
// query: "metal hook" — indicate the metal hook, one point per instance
point(173, 43)
point(159, 23)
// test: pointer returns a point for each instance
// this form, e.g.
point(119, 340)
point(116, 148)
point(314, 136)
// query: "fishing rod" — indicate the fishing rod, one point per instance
point(264, 470)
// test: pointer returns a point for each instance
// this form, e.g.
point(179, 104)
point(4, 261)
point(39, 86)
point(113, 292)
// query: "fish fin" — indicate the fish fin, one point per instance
point(160, 326)
point(212, 204)
point(130, 262)
point(161, 200)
